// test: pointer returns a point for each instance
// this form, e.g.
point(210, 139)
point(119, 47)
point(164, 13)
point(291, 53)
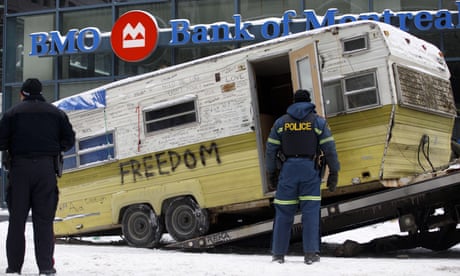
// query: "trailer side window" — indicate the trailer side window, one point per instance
point(90, 150)
point(355, 44)
point(360, 91)
point(351, 93)
point(170, 114)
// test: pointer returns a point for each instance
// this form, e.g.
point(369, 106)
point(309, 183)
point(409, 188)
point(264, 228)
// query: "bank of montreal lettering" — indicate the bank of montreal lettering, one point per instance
point(74, 42)
point(167, 162)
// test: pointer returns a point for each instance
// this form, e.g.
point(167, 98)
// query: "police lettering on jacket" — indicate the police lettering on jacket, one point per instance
point(299, 137)
point(297, 126)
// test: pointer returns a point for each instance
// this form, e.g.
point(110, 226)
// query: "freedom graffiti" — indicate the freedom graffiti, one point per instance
point(166, 162)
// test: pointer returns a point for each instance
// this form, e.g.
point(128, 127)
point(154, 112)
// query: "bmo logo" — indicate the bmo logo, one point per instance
point(134, 36)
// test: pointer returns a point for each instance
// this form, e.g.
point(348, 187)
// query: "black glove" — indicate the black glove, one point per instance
point(272, 180)
point(332, 180)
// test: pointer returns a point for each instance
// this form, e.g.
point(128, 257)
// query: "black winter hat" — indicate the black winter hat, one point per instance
point(31, 87)
point(302, 95)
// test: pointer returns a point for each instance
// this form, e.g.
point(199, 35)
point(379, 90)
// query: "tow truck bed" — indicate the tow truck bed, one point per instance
point(413, 204)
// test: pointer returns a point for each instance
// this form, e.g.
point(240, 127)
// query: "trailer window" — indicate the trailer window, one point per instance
point(90, 150)
point(360, 91)
point(170, 114)
point(355, 44)
point(351, 93)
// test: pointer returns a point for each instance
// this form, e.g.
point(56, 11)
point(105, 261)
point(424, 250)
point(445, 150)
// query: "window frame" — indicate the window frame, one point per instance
point(344, 94)
point(343, 41)
point(79, 152)
point(169, 104)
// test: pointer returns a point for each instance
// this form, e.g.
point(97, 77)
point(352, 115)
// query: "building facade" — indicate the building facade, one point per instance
point(55, 40)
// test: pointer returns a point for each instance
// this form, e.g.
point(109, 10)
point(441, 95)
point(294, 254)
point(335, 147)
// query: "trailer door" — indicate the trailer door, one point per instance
point(305, 73)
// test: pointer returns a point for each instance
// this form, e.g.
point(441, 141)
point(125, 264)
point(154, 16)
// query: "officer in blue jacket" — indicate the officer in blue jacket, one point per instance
point(299, 136)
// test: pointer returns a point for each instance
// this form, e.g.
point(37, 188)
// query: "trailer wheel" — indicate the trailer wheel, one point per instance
point(185, 220)
point(141, 226)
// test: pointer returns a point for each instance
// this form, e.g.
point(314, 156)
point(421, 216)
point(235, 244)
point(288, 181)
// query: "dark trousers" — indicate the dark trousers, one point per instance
point(32, 186)
point(299, 185)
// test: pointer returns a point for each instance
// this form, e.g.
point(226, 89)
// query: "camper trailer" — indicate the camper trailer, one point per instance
point(181, 150)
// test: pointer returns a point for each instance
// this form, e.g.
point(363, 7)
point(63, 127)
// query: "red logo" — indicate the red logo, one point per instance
point(134, 36)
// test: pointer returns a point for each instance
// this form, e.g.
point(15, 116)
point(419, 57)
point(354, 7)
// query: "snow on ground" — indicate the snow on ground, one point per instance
point(74, 259)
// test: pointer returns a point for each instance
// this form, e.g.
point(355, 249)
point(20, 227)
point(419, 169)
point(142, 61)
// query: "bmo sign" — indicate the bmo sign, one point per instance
point(133, 38)
point(135, 35)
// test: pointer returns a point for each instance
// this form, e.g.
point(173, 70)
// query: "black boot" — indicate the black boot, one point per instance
point(311, 258)
point(278, 258)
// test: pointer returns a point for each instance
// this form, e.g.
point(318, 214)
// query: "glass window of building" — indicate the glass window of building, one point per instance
point(19, 65)
point(87, 65)
point(342, 6)
point(12, 94)
point(185, 54)
point(451, 43)
point(77, 3)
point(256, 9)
point(69, 89)
point(206, 11)
point(15, 6)
point(449, 4)
point(411, 5)
point(405, 5)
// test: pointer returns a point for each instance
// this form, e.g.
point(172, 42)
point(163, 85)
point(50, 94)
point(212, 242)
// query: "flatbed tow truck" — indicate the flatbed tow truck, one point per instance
point(427, 209)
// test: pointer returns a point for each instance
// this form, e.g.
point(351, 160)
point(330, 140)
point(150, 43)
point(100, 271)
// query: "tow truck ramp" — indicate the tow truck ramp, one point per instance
point(413, 204)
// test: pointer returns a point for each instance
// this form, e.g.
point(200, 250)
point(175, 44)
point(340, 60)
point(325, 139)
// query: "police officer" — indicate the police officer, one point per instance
point(298, 136)
point(33, 133)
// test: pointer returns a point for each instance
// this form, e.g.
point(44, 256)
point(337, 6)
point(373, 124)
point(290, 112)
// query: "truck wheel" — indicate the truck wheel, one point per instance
point(185, 220)
point(141, 226)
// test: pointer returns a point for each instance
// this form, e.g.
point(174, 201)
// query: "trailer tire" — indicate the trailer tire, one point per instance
point(141, 227)
point(185, 220)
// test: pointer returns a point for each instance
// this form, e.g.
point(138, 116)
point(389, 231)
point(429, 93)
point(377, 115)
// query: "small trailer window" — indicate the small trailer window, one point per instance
point(90, 150)
point(351, 93)
point(355, 44)
point(360, 91)
point(170, 114)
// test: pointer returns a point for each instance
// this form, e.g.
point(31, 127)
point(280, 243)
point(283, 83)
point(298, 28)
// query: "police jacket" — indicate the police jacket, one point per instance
point(35, 128)
point(299, 116)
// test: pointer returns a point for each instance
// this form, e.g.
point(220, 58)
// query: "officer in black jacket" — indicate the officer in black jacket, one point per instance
point(33, 133)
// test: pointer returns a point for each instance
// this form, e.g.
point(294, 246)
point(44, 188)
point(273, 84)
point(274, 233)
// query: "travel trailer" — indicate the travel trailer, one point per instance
point(181, 150)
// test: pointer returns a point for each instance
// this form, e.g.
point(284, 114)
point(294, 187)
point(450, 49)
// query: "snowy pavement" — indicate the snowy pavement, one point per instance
point(123, 260)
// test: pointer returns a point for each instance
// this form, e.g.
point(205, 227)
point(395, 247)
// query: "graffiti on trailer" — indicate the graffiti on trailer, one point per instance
point(165, 162)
